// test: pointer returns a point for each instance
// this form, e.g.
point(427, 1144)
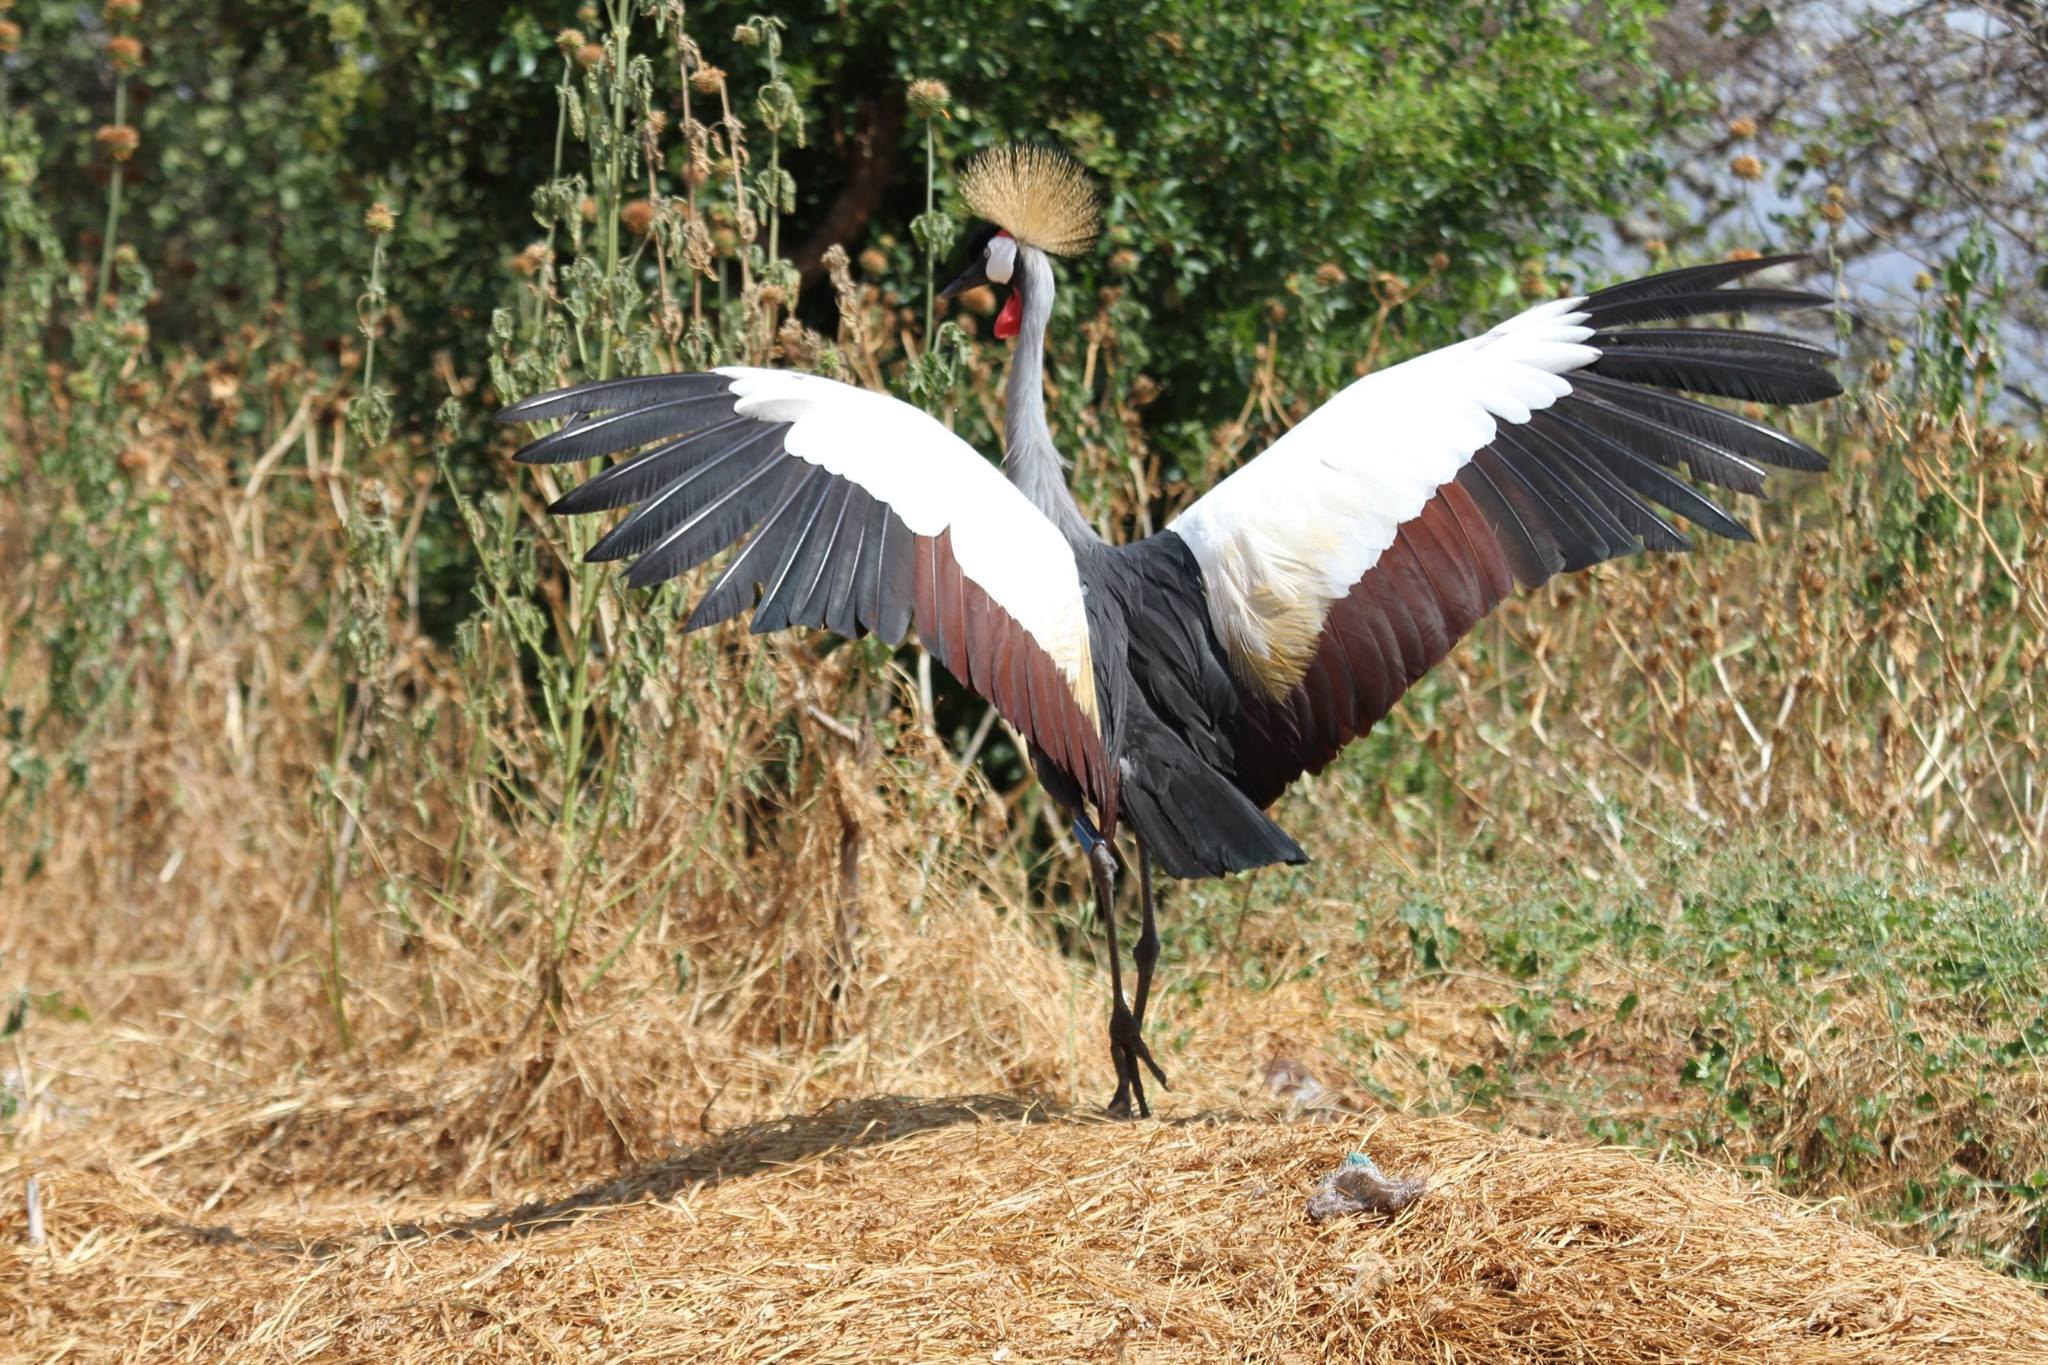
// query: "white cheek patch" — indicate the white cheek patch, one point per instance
point(1002, 258)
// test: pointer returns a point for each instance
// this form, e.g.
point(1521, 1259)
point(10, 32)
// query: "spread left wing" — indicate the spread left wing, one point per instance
point(858, 512)
point(1346, 560)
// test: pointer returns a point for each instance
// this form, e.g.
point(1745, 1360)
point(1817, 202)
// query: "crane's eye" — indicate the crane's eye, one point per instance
point(1002, 257)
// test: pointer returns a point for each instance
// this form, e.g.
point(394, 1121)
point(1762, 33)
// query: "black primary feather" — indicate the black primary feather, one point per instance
point(1699, 304)
point(1755, 366)
point(1655, 484)
point(1534, 446)
point(714, 528)
point(839, 613)
point(646, 474)
point(611, 395)
point(796, 579)
point(765, 553)
point(591, 436)
point(1753, 441)
point(707, 484)
point(1691, 279)
point(1668, 446)
point(1645, 527)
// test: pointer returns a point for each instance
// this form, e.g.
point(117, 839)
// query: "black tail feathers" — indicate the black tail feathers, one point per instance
point(1193, 820)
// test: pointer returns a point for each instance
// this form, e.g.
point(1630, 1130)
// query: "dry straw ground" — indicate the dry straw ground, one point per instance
point(991, 1230)
point(216, 1185)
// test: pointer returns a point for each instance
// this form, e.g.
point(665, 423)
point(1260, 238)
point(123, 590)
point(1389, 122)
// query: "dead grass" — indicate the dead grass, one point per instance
point(991, 1229)
point(215, 1188)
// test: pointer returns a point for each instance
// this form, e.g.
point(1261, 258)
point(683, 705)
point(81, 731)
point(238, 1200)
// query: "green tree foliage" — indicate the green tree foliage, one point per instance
point(1241, 147)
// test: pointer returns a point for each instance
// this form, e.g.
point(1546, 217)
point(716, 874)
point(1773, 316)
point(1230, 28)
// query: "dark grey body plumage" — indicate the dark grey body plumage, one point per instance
point(1174, 710)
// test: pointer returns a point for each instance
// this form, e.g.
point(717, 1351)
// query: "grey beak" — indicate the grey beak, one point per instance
point(975, 274)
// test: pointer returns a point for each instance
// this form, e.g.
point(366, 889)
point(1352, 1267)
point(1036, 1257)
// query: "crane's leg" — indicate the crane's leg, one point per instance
point(1144, 953)
point(1126, 1048)
point(1102, 863)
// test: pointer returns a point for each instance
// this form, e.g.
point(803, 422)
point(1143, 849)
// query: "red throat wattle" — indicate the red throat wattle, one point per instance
point(1011, 318)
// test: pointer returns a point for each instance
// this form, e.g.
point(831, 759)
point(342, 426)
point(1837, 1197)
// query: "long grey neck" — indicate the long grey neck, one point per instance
point(1030, 459)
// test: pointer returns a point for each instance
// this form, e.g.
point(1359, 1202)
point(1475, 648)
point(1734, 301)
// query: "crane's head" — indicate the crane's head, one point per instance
point(1031, 198)
point(992, 259)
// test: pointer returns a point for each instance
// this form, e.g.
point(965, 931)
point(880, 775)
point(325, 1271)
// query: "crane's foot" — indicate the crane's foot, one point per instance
point(1127, 1049)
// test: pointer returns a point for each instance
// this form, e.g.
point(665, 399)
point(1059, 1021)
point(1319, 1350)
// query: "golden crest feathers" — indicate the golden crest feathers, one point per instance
point(1038, 195)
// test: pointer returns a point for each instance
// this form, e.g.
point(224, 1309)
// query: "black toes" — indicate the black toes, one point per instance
point(1126, 1050)
point(1145, 1056)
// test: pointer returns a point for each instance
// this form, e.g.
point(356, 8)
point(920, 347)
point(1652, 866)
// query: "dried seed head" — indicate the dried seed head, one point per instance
point(746, 36)
point(707, 80)
point(569, 40)
point(1923, 281)
point(1036, 194)
point(118, 141)
point(379, 218)
point(874, 261)
point(1123, 260)
point(656, 122)
point(1747, 167)
point(532, 260)
point(1745, 253)
point(122, 9)
point(800, 345)
point(930, 99)
point(697, 247)
point(125, 53)
point(638, 216)
point(1742, 127)
point(10, 35)
point(1329, 274)
point(1837, 195)
point(590, 55)
point(1833, 211)
point(1439, 261)
point(1657, 248)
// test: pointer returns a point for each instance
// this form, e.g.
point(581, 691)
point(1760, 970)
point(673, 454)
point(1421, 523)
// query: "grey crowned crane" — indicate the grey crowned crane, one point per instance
point(1179, 684)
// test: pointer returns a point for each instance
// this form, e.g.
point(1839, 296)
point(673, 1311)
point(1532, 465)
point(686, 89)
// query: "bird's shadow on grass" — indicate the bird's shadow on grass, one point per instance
point(734, 1154)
